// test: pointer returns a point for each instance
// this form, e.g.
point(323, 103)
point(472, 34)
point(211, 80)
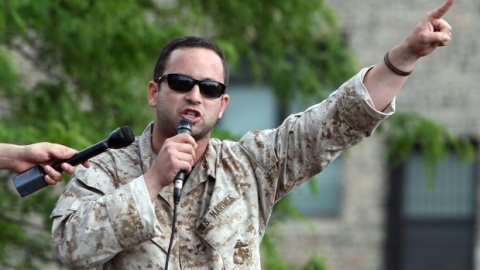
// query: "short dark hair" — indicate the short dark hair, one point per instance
point(188, 42)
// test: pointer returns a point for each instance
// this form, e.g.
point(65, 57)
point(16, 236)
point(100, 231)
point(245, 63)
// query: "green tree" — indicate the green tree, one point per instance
point(90, 62)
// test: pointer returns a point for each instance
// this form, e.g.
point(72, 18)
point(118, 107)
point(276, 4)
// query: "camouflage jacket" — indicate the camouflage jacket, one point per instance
point(105, 219)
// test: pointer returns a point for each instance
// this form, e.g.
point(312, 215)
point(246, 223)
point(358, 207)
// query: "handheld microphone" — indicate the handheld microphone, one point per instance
point(32, 179)
point(185, 126)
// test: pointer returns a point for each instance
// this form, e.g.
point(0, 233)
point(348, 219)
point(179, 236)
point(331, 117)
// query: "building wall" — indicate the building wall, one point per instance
point(354, 238)
point(443, 87)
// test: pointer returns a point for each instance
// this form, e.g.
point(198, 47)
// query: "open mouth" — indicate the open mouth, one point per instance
point(191, 114)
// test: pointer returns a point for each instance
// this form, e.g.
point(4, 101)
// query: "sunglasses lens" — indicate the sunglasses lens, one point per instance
point(180, 83)
point(211, 89)
point(183, 84)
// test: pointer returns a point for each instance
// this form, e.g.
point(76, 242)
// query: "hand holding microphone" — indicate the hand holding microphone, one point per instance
point(175, 158)
point(32, 180)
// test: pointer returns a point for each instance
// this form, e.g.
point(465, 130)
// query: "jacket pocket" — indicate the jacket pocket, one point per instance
point(222, 221)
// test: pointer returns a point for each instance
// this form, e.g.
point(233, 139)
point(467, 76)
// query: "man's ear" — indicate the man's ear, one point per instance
point(225, 100)
point(153, 89)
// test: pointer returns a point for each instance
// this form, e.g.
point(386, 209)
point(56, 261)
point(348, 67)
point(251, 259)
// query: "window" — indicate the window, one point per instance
point(250, 107)
point(431, 221)
point(327, 199)
point(449, 195)
point(255, 107)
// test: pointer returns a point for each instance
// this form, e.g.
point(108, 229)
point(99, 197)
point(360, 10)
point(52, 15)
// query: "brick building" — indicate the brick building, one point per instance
point(368, 216)
point(434, 233)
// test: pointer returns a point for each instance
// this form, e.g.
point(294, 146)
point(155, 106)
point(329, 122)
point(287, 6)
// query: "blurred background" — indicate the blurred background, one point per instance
point(405, 199)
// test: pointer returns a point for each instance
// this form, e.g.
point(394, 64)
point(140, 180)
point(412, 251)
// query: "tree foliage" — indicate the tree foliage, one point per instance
point(408, 132)
point(89, 62)
point(72, 71)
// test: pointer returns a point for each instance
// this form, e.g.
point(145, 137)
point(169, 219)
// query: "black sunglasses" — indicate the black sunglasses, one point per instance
point(183, 84)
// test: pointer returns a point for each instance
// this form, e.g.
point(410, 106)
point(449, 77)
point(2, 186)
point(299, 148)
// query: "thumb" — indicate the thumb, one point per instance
point(436, 37)
point(62, 152)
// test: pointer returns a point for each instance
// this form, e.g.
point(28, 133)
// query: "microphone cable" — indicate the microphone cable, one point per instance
point(174, 220)
point(184, 127)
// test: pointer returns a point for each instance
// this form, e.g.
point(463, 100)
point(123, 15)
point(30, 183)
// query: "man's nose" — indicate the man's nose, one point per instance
point(194, 95)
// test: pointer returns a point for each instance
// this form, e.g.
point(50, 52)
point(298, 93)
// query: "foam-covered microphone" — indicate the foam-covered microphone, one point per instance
point(32, 179)
point(185, 126)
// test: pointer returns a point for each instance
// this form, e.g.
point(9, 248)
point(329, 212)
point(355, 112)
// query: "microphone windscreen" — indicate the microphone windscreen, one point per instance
point(185, 126)
point(121, 137)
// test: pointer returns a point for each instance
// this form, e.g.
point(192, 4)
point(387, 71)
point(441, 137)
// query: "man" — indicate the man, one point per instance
point(19, 158)
point(118, 214)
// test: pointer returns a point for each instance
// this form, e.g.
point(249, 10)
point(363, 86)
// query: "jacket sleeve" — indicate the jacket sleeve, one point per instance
point(305, 143)
point(94, 219)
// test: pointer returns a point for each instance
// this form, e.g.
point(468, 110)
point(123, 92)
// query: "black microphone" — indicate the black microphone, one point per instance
point(32, 179)
point(185, 126)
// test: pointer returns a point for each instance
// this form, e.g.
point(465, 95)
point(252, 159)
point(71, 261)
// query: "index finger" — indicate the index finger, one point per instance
point(439, 12)
point(59, 151)
point(186, 138)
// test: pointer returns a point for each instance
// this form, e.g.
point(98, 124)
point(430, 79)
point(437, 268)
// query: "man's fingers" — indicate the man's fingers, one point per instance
point(440, 12)
point(445, 27)
point(52, 176)
point(58, 151)
point(49, 180)
point(185, 156)
point(68, 168)
point(186, 138)
point(438, 38)
point(86, 164)
point(186, 152)
point(441, 35)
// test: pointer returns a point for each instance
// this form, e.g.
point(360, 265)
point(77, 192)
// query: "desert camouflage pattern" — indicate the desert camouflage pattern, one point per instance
point(105, 219)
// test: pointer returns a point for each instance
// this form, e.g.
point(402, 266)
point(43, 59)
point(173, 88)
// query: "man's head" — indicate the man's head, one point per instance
point(188, 68)
point(188, 42)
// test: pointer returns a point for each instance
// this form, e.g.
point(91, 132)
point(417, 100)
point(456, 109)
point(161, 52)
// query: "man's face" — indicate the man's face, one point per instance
point(171, 106)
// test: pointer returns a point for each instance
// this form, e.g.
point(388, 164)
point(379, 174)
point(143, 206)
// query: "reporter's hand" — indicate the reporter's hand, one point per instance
point(45, 154)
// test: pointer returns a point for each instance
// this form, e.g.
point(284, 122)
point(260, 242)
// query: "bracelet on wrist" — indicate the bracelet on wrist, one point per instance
point(394, 69)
